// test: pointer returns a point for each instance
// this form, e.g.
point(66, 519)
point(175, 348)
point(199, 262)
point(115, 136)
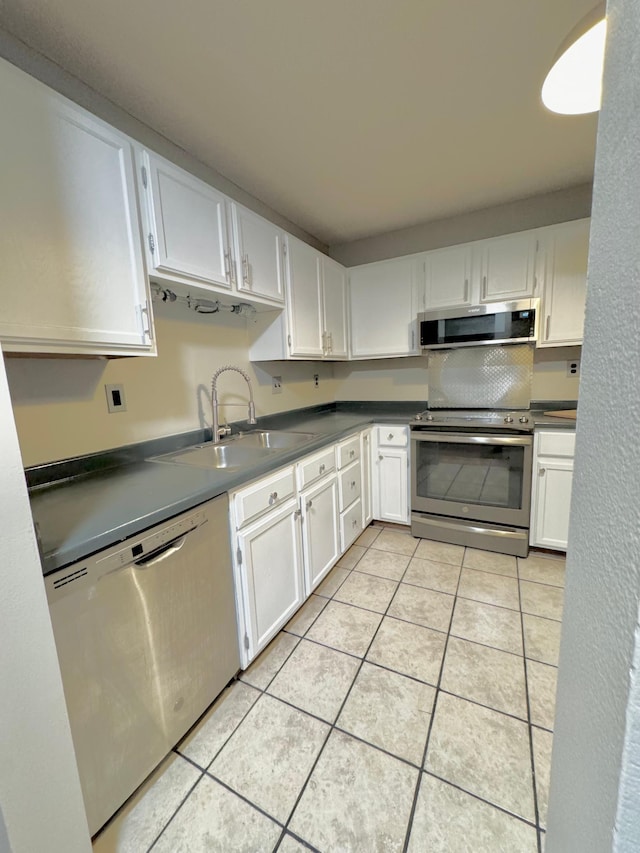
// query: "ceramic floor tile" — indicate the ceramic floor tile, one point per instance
point(142, 819)
point(541, 599)
point(270, 755)
point(344, 627)
point(542, 680)
point(408, 649)
point(489, 588)
point(541, 639)
point(422, 606)
point(368, 591)
point(203, 743)
point(484, 623)
point(332, 582)
point(307, 615)
point(542, 569)
point(389, 711)
point(484, 752)
point(350, 559)
point(487, 561)
point(345, 808)
point(396, 541)
point(448, 820)
point(440, 552)
point(485, 675)
point(542, 744)
point(315, 679)
point(442, 577)
point(213, 818)
point(265, 666)
point(383, 564)
point(368, 536)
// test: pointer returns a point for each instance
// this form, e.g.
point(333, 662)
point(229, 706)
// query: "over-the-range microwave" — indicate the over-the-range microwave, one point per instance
point(480, 325)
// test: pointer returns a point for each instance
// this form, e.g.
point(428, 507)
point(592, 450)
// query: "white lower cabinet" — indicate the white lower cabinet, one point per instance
point(366, 439)
point(390, 474)
point(551, 492)
point(320, 538)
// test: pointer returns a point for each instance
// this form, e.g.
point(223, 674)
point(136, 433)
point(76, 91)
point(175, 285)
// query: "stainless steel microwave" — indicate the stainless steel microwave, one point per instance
point(480, 325)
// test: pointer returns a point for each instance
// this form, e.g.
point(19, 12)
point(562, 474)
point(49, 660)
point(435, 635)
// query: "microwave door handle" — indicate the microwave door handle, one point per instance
point(448, 438)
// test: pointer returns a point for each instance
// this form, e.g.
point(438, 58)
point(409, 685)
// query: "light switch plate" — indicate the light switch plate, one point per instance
point(116, 401)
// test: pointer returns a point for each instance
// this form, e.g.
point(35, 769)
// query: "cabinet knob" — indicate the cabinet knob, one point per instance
point(352, 453)
point(309, 504)
point(273, 497)
point(390, 436)
point(542, 472)
point(321, 469)
point(297, 513)
point(353, 484)
point(380, 456)
point(354, 523)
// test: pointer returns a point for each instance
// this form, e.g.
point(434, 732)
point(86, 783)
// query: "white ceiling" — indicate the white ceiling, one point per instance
point(349, 117)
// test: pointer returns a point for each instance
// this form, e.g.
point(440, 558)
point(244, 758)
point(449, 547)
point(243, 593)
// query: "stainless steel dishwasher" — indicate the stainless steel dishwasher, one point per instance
point(147, 637)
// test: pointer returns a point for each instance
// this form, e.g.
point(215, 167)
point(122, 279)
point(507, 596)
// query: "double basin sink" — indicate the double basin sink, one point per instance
point(238, 451)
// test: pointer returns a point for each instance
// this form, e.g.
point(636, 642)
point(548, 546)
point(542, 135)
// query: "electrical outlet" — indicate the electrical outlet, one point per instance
point(573, 368)
point(316, 380)
point(116, 401)
point(276, 387)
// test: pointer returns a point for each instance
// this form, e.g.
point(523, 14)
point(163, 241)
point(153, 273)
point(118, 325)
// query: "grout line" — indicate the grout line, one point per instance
point(242, 797)
point(430, 729)
point(182, 802)
point(297, 838)
point(530, 730)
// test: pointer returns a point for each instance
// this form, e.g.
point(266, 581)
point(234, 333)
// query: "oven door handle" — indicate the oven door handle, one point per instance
point(461, 438)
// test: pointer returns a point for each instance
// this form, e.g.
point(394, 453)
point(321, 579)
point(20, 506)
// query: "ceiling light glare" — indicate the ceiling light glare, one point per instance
point(574, 84)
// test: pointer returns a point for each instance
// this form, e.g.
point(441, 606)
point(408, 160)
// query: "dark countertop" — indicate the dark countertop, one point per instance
point(87, 512)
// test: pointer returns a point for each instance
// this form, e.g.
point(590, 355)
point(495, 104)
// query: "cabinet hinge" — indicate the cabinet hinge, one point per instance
point(144, 319)
point(239, 556)
point(289, 339)
point(144, 177)
point(152, 243)
point(246, 641)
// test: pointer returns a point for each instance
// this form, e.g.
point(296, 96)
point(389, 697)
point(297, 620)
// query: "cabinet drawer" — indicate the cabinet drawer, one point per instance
point(392, 436)
point(316, 466)
point(350, 525)
point(263, 495)
point(556, 443)
point(348, 451)
point(350, 484)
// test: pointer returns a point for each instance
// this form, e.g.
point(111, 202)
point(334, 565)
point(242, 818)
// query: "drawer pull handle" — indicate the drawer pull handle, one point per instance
point(352, 453)
point(273, 497)
point(390, 436)
point(309, 504)
point(322, 467)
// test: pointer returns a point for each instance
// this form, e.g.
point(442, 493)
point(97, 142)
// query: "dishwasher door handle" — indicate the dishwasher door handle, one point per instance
point(162, 553)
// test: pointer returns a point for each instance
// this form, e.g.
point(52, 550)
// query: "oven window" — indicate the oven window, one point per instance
point(484, 474)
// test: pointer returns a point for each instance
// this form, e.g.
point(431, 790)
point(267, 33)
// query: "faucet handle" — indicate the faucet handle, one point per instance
point(224, 430)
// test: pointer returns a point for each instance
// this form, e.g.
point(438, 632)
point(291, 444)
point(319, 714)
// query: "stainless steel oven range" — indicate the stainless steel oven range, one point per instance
point(471, 478)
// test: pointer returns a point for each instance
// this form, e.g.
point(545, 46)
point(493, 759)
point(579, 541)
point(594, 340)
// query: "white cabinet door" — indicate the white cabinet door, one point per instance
point(320, 536)
point(508, 267)
point(383, 308)
point(269, 564)
point(391, 485)
point(565, 283)
point(448, 277)
point(552, 479)
point(258, 251)
point(334, 289)
point(70, 238)
point(365, 466)
point(304, 299)
point(188, 221)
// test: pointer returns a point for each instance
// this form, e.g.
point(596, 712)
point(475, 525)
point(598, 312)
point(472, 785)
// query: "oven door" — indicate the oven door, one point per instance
point(472, 476)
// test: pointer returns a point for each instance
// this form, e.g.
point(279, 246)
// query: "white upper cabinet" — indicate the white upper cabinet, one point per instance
point(304, 300)
point(188, 235)
point(72, 261)
point(566, 250)
point(334, 300)
point(507, 267)
point(383, 308)
point(448, 277)
point(258, 256)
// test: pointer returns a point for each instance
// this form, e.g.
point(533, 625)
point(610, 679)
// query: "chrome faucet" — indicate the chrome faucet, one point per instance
point(218, 431)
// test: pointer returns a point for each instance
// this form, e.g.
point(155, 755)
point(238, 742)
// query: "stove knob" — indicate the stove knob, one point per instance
point(418, 417)
point(429, 417)
point(508, 419)
point(523, 420)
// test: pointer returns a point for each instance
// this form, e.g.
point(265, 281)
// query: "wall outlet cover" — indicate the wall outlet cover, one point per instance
point(573, 368)
point(316, 380)
point(116, 401)
point(276, 385)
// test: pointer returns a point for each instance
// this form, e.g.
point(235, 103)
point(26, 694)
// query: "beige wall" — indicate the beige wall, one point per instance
point(406, 379)
point(60, 404)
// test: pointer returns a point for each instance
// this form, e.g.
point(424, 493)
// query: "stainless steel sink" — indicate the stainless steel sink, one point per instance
point(229, 455)
point(272, 439)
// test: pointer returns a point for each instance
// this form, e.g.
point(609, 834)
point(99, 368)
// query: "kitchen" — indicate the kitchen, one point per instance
point(77, 394)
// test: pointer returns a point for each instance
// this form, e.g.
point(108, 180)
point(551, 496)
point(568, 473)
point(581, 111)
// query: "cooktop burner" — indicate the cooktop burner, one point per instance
point(518, 419)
